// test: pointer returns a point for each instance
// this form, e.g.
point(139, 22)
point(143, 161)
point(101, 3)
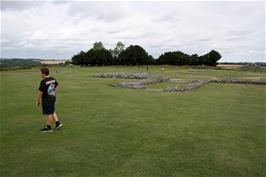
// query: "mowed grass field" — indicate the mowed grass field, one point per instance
point(217, 130)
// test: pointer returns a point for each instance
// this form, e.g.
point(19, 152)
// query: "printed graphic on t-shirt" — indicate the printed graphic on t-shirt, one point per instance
point(51, 87)
point(51, 90)
point(48, 87)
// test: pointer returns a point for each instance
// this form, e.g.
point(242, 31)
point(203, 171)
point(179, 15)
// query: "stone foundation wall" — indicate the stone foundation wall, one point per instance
point(199, 83)
point(146, 78)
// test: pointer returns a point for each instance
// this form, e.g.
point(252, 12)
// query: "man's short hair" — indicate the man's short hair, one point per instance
point(45, 71)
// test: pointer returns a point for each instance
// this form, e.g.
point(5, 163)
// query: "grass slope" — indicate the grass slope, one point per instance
point(214, 131)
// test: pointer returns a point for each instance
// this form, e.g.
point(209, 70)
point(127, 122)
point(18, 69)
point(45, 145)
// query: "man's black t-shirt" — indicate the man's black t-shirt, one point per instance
point(47, 86)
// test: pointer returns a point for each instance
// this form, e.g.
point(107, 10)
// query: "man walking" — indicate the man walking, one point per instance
point(46, 94)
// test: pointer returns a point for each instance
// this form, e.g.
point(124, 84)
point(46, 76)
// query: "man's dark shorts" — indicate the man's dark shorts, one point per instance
point(48, 107)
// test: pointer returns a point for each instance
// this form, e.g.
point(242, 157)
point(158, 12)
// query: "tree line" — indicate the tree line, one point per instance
point(98, 55)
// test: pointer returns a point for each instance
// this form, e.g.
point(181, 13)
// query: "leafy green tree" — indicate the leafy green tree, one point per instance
point(194, 59)
point(79, 59)
point(151, 60)
point(98, 45)
point(211, 58)
point(134, 55)
point(116, 51)
point(165, 58)
point(174, 58)
point(98, 57)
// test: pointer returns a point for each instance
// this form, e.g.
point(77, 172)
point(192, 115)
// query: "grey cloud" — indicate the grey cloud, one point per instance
point(108, 11)
point(239, 32)
point(156, 46)
point(19, 5)
point(166, 18)
point(62, 29)
point(204, 39)
point(239, 35)
point(234, 38)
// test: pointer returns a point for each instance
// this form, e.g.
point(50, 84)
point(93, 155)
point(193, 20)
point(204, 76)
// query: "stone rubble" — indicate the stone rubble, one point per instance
point(146, 78)
point(199, 83)
point(240, 81)
point(188, 86)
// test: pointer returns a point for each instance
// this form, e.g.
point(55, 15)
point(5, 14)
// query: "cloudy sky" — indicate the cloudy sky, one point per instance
point(58, 30)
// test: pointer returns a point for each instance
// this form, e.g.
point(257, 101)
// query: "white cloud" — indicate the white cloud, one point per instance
point(61, 29)
point(3, 41)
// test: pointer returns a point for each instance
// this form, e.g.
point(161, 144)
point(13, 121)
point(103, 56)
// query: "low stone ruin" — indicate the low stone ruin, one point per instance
point(199, 83)
point(145, 79)
point(188, 86)
point(124, 75)
point(240, 81)
point(136, 84)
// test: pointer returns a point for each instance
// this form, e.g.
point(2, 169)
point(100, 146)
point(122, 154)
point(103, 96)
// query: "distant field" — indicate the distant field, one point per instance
point(217, 130)
point(52, 62)
point(16, 64)
point(229, 66)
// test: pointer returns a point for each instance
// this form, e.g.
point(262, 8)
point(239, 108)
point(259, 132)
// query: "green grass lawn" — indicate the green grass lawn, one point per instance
point(215, 131)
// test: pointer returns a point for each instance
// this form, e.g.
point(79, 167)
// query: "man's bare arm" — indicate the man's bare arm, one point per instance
point(38, 98)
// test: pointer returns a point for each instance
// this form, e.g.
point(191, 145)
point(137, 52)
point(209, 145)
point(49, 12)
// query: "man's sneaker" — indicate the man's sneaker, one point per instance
point(46, 130)
point(57, 126)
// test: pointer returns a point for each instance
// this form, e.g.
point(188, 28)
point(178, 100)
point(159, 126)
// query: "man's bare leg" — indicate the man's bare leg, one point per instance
point(55, 118)
point(49, 119)
point(57, 122)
